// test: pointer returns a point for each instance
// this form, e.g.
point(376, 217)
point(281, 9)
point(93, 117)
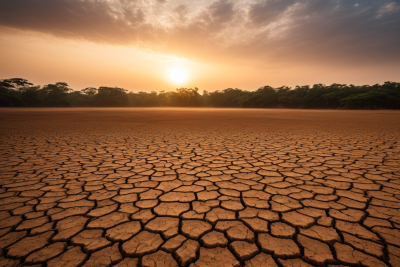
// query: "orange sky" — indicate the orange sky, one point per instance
point(220, 44)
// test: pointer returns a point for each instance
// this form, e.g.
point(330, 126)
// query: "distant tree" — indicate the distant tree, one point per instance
point(111, 97)
point(15, 83)
point(185, 97)
point(32, 96)
point(56, 94)
point(370, 100)
point(229, 98)
point(11, 90)
point(19, 92)
point(77, 99)
point(5, 85)
point(162, 99)
point(90, 91)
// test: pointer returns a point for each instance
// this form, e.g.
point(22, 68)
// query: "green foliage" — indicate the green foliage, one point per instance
point(370, 100)
point(15, 83)
point(55, 95)
point(19, 92)
point(32, 96)
point(111, 97)
point(184, 97)
point(11, 101)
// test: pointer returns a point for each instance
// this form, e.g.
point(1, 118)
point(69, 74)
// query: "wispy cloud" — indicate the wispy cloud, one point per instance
point(390, 7)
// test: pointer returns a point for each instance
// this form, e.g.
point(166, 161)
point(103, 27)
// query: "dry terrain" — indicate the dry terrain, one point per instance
point(199, 187)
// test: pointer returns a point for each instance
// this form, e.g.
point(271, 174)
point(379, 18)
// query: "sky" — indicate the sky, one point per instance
point(155, 45)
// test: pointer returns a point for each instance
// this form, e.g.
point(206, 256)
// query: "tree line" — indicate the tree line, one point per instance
point(18, 92)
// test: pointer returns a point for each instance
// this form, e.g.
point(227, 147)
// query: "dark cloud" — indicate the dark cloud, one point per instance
point(284, 31)
point(182, 11)
point(266, 12)
point(91, 20)
point(222, 11)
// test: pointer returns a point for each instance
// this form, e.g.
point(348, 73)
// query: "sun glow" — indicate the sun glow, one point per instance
point(178, 74)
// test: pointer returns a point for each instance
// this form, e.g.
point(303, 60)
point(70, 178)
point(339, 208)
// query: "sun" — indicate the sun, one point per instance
point(178, 74)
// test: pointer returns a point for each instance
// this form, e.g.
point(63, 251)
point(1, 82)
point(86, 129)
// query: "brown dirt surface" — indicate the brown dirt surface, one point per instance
point(199, 187)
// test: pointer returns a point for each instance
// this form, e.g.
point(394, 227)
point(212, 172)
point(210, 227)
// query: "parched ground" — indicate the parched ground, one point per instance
point(199, 187)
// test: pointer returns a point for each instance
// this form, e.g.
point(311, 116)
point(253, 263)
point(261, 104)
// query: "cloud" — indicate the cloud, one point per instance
point(267, 31)
point(92, 20)
point(222, 11)
point(390, 7)
point(182, 11)
point(266, 12)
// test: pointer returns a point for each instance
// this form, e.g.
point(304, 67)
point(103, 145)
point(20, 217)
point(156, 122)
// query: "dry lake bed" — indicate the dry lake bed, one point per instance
point(199, 187)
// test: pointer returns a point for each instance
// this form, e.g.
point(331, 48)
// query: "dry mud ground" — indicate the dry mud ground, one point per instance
point(199, 187)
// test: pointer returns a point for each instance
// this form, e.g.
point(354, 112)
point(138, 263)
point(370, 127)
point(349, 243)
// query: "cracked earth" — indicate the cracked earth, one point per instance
point(199, 187)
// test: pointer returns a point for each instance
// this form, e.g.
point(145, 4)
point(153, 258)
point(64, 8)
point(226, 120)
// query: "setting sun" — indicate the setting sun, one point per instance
point(178, 74)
